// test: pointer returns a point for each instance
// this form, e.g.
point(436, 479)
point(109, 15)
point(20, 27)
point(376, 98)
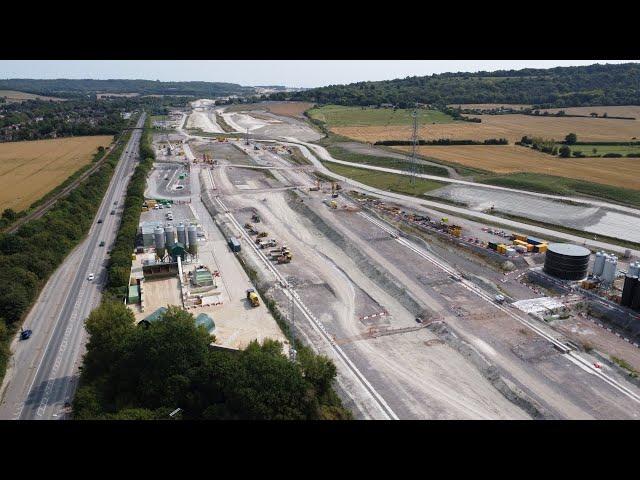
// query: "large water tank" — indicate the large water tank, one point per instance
point(566, 261)
point(598, 265)
point(634, 269)
point(630, 285)
point(158, 235)
point(182, 233)
point(609, 271)
point(192, 235)
point(169, 236)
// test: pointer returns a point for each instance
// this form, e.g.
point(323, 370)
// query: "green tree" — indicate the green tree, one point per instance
point(571, 139)
point(565, 151)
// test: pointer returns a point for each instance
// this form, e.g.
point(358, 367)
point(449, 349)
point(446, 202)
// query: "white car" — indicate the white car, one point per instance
point(91, 277)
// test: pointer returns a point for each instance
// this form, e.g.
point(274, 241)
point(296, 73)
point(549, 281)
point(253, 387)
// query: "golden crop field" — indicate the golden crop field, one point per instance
point(621, 172)
point(489, 106)
point(512, 127)
point(13, 96)
point(29, 170)
point(289, 109)
point(617, 111)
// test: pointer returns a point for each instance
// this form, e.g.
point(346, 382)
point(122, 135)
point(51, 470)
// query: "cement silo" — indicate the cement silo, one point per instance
point(634, 269)
point(169, 236)
point(158, 234)
point(609, 271)
point(566, 261)
point(192, 235)
point(598, 265)
point(182, 233)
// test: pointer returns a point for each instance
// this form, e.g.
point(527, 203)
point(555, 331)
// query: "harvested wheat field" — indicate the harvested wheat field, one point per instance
point(614, 111)
point(621, 172)
point(28, 170)
point(512, 127)
point(14, 96)
point(489, 106)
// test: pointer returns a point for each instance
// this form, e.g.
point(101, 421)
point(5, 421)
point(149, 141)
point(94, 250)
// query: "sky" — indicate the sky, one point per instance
point(291, 73)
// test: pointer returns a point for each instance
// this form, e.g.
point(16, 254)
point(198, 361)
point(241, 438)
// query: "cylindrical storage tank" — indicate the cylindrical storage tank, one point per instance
point(635, 300)
point(630, 284)
point(609, 271)
point(598, 265)
point(182, 233)
point(566, 261)
point(192, 236)
point(169, 236)
point(634, 269)
point(158, 234)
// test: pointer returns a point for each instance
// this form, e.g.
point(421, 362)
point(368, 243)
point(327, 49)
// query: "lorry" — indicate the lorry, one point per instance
point(252, 296)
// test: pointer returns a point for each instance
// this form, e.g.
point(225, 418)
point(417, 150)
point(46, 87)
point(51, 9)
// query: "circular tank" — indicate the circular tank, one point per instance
point(566, 261)
point(598, 264)
point(182, 233)
point(169, 236)
point(192, 235)
point(158, 234)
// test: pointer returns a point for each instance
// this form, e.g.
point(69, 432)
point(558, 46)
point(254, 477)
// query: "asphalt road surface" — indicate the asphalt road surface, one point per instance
point(43, 371)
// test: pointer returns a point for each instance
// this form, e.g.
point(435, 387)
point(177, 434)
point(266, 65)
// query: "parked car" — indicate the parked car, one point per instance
point(91, 276)
point(25, 334)
point(102, 243)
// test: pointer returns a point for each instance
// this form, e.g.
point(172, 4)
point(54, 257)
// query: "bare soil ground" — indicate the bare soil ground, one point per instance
point(28, 170)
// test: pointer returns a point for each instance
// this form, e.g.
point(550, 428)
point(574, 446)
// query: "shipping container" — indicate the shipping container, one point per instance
point(520, 242)
point(535, 240)
point(493, 245)
point(542, 248)
point(520, 237)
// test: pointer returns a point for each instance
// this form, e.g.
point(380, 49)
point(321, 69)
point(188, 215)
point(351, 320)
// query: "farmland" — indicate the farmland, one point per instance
point(28, 170)
point(512, 127)
point(587, 149)
point(619, 172)
point(489, 106)
point(13, 96)
point(338, 116)
point(612, 111)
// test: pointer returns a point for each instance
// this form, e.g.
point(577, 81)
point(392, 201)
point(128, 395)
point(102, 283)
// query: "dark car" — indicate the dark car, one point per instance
point(113, 212)
point(25, 334)
point(102, 244)
point(100, 221)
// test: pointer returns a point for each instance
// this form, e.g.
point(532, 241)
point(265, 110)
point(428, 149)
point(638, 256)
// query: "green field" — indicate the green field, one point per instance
point(551, 184)
point(343, 154)
point(339, 116)
point(587, 150)
point(385, 181)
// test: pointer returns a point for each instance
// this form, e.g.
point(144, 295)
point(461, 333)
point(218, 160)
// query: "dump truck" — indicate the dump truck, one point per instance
point(284, 259)
point(252, 296)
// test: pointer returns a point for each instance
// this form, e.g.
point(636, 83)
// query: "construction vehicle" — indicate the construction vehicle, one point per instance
point(333, 204)
point(255, 218)
point(263, 234)
point(284, 259)
point(252, 296)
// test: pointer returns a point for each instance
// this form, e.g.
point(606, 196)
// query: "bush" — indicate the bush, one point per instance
point(612, 155)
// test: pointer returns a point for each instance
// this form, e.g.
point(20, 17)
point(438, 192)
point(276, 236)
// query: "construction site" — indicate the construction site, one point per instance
point(425, 314)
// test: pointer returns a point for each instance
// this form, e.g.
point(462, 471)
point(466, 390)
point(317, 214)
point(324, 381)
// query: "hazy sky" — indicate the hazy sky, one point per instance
point(292, 73)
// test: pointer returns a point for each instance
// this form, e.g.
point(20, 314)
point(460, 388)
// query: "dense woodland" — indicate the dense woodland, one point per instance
point(66, 88)
point(135, 373)
point(545, 88)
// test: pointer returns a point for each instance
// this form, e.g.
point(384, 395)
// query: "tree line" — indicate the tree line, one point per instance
point(134, 373)
point(544, 88)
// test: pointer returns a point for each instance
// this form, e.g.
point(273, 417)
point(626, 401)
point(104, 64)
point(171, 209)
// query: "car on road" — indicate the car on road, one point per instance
point(91, 276)
point(25, 334)
point(100, 221)
point(102, 243)
point(115, 203)
point(113, 212)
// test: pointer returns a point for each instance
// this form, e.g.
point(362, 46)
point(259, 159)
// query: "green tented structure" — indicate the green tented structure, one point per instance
point(133, 296)
point(206, 321)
